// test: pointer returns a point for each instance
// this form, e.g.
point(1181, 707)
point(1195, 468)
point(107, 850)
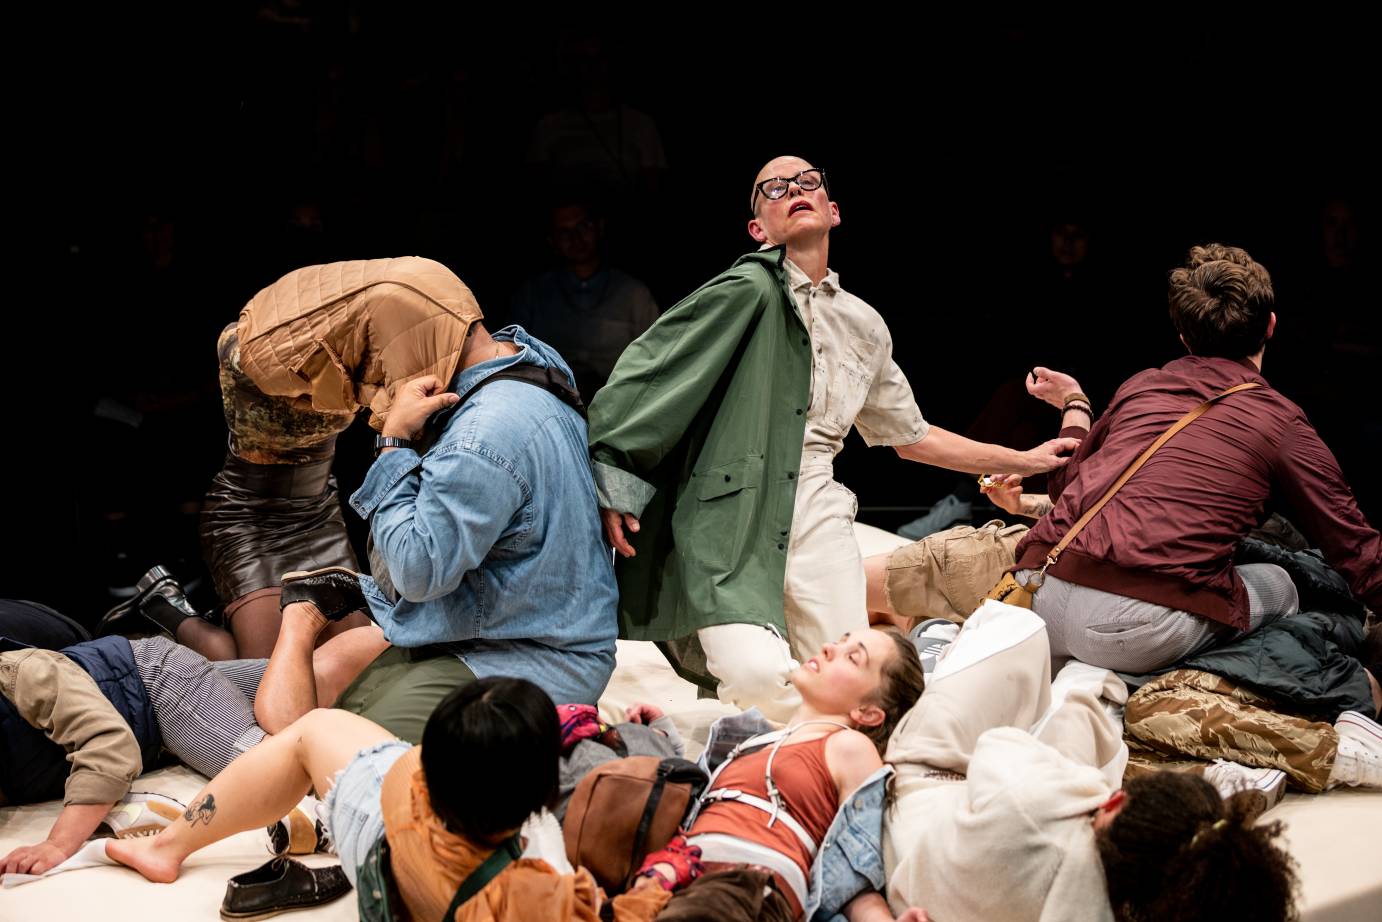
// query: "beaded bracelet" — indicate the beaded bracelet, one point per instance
point(1082, 407)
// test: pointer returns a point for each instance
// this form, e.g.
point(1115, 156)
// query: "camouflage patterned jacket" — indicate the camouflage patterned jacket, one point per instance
point(1304, 662)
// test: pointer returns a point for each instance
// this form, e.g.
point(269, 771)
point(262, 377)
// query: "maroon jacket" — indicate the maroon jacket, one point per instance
point(1169, 534)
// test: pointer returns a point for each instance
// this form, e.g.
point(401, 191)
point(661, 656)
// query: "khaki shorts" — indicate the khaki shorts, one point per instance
point(947, 575)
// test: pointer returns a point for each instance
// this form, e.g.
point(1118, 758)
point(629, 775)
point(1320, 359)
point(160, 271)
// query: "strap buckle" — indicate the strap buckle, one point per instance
point(1038, 578)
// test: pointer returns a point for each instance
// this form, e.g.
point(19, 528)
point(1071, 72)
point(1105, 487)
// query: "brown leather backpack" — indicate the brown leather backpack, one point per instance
point(624, 809)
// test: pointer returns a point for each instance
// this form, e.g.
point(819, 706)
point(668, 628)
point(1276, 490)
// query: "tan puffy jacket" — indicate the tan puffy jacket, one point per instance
point(346, 334)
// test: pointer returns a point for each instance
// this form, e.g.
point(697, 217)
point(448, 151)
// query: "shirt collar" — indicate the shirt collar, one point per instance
point(798, 279)
point(467, 378)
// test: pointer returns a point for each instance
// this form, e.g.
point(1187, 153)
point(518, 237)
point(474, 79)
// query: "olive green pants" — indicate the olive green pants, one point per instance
point(401, 689)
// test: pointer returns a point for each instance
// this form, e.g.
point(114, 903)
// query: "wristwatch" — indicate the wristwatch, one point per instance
point(382, 442)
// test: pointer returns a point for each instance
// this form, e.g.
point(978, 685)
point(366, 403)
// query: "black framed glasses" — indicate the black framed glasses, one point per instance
point(775, 188)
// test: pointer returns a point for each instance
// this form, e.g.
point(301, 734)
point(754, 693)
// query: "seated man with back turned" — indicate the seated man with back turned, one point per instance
point(1151, 579)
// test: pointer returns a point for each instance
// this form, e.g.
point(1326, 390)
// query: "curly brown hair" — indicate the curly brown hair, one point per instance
point(1221, 302)
point(1177, 852)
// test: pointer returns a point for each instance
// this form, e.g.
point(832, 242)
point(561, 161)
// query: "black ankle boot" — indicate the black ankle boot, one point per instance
point(136, 616)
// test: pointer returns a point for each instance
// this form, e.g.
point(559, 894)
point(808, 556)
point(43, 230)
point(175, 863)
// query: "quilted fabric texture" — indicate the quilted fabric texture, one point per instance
point(345, 335)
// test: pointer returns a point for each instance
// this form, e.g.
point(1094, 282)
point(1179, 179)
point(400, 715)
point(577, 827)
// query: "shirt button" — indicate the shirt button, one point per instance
point(791, 475)
point(377, 895)
point(805, 341)
point(782, 547)
point(728, 478)
point(799, 412)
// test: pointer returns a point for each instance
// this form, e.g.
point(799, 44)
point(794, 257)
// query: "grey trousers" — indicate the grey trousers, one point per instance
point(1130, 635)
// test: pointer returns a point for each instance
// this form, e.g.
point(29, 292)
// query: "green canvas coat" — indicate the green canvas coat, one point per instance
point(699, 433)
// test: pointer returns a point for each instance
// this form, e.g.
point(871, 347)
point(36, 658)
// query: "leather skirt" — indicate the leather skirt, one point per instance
point(260, 521)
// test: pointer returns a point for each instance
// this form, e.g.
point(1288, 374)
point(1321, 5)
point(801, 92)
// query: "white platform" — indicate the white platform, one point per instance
point(1333, 837)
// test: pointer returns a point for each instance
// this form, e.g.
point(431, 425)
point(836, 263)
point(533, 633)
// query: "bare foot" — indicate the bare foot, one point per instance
point(146, 857)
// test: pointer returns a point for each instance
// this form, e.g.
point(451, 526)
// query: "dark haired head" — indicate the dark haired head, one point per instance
point(1177, 852)
point(1221, 302)
point(489, 755)
point(902, 684)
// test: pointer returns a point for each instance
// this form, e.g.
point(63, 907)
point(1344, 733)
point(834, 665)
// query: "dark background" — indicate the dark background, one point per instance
point(181, 162)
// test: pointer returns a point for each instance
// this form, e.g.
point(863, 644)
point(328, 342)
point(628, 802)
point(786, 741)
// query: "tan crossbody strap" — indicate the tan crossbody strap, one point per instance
point(1180, 424)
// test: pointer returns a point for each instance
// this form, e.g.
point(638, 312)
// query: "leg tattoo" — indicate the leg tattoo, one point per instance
point(201, 811)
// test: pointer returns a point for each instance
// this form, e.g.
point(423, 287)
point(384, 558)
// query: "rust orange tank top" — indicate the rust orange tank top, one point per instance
point(808, 793)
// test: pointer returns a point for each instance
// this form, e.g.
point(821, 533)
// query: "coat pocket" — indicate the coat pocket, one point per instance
point(731, 477)
point(717, 527)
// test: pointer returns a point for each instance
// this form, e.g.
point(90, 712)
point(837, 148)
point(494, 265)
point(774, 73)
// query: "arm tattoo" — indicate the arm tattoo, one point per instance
point(201, 811)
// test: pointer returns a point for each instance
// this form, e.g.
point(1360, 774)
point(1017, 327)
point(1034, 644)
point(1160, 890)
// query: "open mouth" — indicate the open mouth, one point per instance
point(799, 207)
point(813, 665)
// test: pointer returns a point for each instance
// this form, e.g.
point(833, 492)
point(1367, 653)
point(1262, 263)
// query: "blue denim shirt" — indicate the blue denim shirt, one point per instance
point(493, 539)
point(850, 860)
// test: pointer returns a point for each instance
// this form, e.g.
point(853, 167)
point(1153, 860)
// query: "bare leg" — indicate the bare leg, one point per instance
point(257, 789)
point(876, 593)
point(255, 620)
point(298, 680)
point(344, 626)
point(340, 660)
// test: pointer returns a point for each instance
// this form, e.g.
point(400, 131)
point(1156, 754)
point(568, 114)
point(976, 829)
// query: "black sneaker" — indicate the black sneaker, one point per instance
point(335, 591)
point(129, 616)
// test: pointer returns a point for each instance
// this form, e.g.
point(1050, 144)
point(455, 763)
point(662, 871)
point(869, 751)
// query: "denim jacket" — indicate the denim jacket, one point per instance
point(850, 860)
point(492, 538)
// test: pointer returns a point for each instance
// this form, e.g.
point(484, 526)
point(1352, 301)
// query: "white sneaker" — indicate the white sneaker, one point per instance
point(139, 814)
point(1358, 762)
point(1231, 778)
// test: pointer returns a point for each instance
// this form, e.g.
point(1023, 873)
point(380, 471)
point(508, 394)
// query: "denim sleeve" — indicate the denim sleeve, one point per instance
point(850, 861)
point(434, 519)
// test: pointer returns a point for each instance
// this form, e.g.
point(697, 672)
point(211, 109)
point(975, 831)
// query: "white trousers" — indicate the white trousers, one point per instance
point(823, 599)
